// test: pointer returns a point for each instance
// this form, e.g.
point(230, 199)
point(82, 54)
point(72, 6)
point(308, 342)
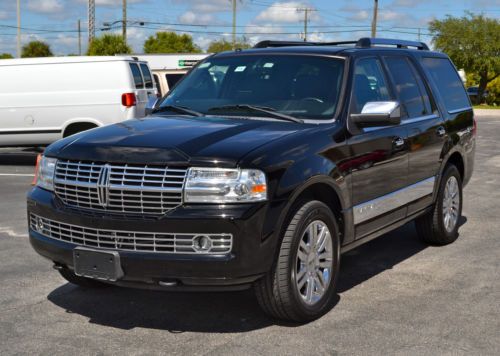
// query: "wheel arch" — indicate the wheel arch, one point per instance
point(84, 122)
point(319, 188)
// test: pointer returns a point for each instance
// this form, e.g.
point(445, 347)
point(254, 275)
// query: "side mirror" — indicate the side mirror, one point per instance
point(150, 106)
point(378, 113)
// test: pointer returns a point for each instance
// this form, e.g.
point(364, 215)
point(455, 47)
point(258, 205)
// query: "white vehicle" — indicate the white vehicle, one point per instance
point(45, 99)
point(169, 68)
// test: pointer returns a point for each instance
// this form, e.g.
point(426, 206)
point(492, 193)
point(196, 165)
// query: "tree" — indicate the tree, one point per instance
point(36, 49)
point(6, 56)
point(170, 42)
point(108, 45)
point(223, 45)
point(472, 42)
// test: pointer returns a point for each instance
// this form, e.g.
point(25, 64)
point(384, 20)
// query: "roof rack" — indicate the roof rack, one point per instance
point(361, 43)
point(371, 42)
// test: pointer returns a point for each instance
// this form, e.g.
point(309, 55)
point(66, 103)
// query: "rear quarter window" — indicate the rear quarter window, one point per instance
point(136, 73)
point(448, 82)
point(148, 81)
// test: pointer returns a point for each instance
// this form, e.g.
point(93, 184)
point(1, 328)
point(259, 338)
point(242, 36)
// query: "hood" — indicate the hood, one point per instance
point(177, 140)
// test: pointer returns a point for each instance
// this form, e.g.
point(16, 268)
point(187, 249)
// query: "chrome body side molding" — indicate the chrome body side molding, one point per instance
point(373, 208)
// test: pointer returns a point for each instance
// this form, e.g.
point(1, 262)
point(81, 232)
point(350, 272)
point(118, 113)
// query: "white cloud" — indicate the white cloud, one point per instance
point(45, 6)
point(285, 12)
point(206, 6)
point(4, 15)
point(189, 17)
point(110, 3)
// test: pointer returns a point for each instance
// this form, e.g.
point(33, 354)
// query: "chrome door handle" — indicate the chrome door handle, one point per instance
point(399, 142)
point(441, 131)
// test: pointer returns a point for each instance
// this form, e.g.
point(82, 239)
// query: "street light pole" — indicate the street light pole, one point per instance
point(18, 28)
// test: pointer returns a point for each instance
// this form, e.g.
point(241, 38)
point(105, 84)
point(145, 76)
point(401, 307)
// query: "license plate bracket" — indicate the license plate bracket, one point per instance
point(97, 264)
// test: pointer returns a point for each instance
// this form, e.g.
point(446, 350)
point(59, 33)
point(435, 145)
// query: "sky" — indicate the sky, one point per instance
point(55, 21)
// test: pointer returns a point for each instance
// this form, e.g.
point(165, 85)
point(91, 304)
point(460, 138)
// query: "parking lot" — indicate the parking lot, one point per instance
point(396, 295)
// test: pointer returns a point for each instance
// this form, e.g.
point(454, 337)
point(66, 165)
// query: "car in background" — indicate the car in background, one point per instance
point(168, 69)
point(45, 99)
point(473, 93)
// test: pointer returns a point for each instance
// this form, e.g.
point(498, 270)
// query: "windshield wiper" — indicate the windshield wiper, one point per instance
point(260, 109)
point(179, 109)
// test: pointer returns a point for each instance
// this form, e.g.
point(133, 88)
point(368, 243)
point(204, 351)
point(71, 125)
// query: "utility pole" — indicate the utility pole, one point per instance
point(124, 21)
point(306, 19)
point(18, 28)
point(79, 39)
point(91, 15)
point(374, 21)
point(419, 34)
point(234, 24)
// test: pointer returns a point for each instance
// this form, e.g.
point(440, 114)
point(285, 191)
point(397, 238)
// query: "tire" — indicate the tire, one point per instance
point(83, 282)
point(433, 227)
point(278, 292)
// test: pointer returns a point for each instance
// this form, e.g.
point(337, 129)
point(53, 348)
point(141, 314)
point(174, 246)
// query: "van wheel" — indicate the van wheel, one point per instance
point(301, 285)
point(440, 225)
point(83, 282)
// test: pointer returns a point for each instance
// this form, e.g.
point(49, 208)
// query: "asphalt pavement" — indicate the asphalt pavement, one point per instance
point(396, 294)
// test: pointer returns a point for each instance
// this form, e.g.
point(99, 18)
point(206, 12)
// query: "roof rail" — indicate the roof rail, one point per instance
point(361, 43)
point(268, 43)
point(371, 42)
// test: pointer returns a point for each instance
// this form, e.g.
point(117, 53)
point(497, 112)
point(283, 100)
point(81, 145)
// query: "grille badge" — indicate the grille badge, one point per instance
point(103, 186)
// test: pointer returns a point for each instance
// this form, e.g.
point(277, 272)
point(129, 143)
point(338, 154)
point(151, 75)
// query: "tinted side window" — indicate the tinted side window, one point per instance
point(448, 82)
point(157, 83)
point(172, 79)
point(409, 86)
point(136, 73)
point(148, 81)
point(369, 84)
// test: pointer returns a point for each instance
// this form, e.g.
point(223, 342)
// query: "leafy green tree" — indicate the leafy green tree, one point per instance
point(170, 42)
point(108, 45)
point(472, 42)
point(36, 49)
point(223, 45)
point(6, 56)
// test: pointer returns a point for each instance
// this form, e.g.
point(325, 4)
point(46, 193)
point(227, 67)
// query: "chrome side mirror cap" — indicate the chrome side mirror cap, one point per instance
point(378, 113)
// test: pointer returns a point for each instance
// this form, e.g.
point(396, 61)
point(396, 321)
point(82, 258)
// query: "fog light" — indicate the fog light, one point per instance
point(202, 243)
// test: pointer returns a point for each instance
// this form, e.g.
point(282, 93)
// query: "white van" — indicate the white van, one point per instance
point(45, 99)
point(168, 69)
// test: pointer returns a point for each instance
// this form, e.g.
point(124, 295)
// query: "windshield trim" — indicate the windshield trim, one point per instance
point(229, 54)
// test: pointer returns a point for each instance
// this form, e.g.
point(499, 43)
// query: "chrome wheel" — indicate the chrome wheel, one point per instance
point(451, 204)
point(314, 262)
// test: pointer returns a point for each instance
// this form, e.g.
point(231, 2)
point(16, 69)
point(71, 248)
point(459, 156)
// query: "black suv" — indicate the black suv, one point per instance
point(259, 169)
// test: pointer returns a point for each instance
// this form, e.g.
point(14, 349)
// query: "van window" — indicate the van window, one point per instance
point(158, 86)
point(148, 81)
point(448, 82)
point(136, 73)
point(409, 87)
point(172, 79)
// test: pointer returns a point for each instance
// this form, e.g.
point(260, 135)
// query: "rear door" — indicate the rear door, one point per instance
point(424, 125)
point(149, 91)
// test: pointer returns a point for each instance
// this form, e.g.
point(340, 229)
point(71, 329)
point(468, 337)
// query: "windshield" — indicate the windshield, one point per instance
point(305, 87)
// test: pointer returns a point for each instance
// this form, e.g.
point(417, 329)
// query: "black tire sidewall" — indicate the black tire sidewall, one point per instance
point(316, 211)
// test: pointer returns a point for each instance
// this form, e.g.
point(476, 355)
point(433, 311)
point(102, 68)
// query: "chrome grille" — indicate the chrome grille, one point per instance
point(129, 188)
point(129, 240)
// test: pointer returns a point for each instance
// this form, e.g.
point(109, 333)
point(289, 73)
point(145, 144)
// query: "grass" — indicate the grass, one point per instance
point(485, 106)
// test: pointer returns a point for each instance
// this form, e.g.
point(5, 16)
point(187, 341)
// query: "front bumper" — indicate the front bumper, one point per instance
point(251, 255)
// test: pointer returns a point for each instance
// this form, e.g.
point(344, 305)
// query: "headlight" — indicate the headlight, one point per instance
point(45, 173)
point(219, 185)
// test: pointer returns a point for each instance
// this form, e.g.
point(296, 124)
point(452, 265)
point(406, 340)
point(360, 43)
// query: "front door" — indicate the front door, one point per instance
point(378, 159)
